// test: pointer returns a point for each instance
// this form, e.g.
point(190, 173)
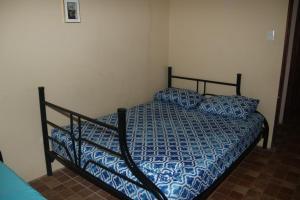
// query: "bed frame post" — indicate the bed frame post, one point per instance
point(45, 130)
point(129, 161)
point(238, 84)
point(1, 158)
point(266, 134)
point(169, 76)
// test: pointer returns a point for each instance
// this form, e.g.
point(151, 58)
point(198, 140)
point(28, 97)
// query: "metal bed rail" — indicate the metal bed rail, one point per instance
point(264, 134)
point(1, 158)
point(75, 162)
point(237, 85)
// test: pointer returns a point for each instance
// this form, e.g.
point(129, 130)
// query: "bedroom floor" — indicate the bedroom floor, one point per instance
point(266, 175)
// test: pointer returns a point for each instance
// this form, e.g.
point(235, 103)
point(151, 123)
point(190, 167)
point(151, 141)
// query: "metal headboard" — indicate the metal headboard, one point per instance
point(237, 85)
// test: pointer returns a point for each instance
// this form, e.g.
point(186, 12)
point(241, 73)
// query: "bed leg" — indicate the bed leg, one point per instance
point(48, 159)
point(266, 134)
point(169, 76)
point(48, 166)
point(1, 158)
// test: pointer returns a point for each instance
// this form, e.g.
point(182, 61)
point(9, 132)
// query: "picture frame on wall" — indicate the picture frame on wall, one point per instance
point(72, 11)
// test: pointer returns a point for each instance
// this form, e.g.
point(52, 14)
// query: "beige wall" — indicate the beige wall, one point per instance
point(216, 39)
point(108, 60)
point(117, 56)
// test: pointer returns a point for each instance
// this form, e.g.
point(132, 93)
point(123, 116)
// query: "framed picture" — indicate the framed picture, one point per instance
point(71, 9)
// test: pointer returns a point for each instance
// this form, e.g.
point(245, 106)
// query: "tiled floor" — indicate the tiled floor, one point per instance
point(263, 175)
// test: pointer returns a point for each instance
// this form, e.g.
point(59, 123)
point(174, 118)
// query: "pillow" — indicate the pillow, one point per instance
point(183, 97)
point(233, 106)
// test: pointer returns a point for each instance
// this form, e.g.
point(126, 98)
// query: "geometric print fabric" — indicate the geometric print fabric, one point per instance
point(232, 106)
point(183, 97)
point(182, 151)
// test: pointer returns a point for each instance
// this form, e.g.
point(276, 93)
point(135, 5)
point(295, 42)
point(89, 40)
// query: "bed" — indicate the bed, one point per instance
point(12, 187)
point(155, 150)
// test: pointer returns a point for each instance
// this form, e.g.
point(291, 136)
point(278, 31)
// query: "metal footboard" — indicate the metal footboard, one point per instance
point(74, 162)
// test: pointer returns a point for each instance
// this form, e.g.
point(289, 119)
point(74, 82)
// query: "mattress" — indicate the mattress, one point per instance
point(182, 151)
point(12, 187)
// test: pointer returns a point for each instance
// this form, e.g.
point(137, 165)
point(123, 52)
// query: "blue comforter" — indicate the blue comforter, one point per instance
point(182, 151)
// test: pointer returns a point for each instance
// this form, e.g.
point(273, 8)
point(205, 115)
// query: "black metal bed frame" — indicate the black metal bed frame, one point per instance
point(74, 163)
point(1, 158)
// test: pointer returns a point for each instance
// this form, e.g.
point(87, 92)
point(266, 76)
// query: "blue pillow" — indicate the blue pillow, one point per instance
point(233, 106)
point(183, 97)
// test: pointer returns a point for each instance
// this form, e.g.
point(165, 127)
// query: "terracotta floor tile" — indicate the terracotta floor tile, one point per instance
point(70, 183)
point(233, 179)
point(94, 188)
point(246, 183)
point(240, 189)
point(252, 173)
point(224, 190)
point(77, 187)
point(254, 193)
point(284, 196)
point(236, 195)
point(267, 197)
point(63, 178)
point(272, 190)
point(84, 192)
point(94, 196)
point(286, 190)
point(218, 196)
point(292, 177)
point(74, 197)
point(51, 182)
point(265, 175)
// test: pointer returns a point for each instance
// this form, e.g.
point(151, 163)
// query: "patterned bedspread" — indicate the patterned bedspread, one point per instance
point(182, 151)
